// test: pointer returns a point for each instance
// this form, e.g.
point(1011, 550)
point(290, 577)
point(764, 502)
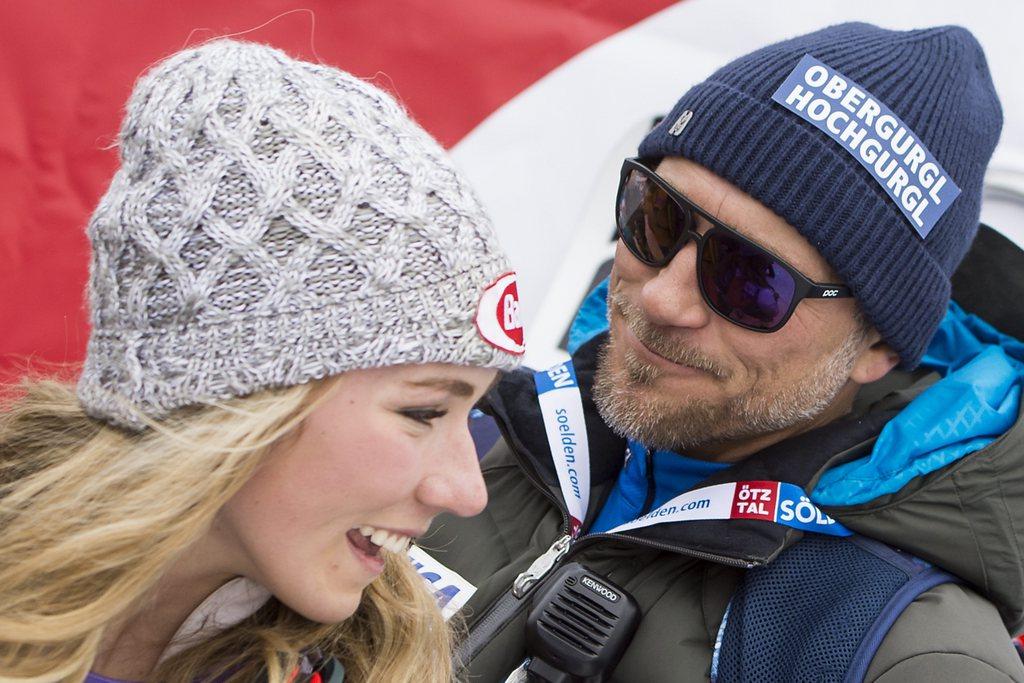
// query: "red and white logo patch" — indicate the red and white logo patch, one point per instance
point(497, 316)
point(755, 500)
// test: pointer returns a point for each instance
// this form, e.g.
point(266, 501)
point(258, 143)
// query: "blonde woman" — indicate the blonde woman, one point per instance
point(295, 303)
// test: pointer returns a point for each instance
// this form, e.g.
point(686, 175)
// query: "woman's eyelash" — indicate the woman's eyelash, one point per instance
point(423, 415)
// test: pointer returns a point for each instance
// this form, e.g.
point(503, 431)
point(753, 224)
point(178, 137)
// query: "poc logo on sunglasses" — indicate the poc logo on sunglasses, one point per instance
point(497, 315)
point(830, 292)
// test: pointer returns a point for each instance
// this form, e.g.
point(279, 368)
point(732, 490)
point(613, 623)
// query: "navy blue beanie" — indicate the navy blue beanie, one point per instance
point(934, 80)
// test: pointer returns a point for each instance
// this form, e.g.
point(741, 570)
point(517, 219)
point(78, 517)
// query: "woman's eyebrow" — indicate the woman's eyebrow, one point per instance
point(455, 387)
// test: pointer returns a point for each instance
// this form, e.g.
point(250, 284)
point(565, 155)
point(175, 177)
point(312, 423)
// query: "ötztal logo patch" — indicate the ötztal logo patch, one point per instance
point(497, 316)
point(755, 500)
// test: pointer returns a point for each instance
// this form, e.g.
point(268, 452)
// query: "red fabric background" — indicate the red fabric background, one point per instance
point(67, 67)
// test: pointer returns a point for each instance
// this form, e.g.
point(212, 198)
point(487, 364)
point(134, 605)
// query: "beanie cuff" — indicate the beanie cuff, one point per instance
point(152, 373)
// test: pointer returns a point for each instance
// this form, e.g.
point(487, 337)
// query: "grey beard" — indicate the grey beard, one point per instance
point(626, 398)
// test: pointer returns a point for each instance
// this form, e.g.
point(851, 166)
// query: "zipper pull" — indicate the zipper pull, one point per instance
point(541, 566)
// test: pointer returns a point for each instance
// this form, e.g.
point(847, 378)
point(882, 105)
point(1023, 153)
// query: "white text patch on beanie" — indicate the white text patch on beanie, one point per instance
point(497, 316)
point(868, 130)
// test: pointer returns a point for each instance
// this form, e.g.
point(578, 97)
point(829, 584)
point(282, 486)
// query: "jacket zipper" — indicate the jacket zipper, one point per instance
point(514, 446)
point(505, 608)
point(541, 566)
point(513, 601)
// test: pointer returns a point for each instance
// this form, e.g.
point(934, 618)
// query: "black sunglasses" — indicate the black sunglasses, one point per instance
point(739, 280)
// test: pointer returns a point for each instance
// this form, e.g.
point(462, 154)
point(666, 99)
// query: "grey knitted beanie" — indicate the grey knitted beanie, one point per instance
point(275, 222)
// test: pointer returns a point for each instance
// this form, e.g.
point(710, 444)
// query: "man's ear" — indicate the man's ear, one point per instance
point(874, 362)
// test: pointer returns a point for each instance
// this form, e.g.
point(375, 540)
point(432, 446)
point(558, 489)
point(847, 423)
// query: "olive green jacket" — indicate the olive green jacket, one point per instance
point(967, 518)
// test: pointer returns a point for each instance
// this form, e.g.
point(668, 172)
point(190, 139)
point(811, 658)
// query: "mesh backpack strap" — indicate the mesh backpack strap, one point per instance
point(923, 577)
point(818, 612)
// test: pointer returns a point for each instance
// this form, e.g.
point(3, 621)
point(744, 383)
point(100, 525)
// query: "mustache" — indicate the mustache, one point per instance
point(675, 350)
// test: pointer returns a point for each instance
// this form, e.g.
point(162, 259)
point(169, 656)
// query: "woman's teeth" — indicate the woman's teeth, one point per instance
point(388, 540)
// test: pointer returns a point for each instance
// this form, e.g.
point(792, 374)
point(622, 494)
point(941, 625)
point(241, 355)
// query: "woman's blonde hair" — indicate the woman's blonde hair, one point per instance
point(91, 516)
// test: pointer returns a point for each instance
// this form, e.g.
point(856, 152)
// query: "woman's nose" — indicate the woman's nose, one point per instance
point(456, 485)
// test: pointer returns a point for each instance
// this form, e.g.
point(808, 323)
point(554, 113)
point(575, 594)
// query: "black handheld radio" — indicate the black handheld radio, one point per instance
point(579, 627)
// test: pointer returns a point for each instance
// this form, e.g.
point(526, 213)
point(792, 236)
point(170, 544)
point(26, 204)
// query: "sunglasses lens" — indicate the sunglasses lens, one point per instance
point(650, 223)
point(744, 283)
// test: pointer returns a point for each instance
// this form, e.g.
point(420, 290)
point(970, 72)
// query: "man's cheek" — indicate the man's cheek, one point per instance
point(625, 267)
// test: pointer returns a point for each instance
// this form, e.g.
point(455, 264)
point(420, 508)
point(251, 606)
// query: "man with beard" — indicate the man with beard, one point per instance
point(784, 394)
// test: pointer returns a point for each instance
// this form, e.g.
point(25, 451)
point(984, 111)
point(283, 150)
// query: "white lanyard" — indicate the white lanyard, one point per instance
point(562, 409)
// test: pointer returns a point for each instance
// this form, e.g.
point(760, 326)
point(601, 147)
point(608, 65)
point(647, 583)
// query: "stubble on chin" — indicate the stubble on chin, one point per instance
point(627, 397)
point(630, 400)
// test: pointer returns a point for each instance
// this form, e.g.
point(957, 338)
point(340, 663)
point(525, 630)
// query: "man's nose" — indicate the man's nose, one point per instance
point(456, 485)
point(672, 298)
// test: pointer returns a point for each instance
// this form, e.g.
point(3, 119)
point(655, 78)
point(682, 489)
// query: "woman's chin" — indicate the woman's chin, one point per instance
point(333, 616)
point(328, 608)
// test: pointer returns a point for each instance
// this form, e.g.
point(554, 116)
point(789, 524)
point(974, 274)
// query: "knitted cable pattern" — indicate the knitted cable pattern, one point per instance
point(274, 222)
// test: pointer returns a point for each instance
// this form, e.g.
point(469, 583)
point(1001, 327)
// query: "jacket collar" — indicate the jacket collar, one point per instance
point(799, 460)
point(236, 600)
